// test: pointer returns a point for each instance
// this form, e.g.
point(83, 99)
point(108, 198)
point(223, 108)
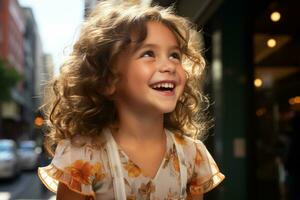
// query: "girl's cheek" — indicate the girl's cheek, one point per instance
point(184, 77)
point(183, 83)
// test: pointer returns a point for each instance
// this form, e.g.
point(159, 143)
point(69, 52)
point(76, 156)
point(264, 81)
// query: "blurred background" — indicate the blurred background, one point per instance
point(252, 79)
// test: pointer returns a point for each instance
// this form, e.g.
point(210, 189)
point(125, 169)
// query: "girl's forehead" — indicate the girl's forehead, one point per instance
point(155, 32)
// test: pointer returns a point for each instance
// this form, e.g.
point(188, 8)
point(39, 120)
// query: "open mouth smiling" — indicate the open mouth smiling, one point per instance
point(164, 86)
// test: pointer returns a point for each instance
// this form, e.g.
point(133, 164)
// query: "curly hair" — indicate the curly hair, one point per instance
point(75, 101)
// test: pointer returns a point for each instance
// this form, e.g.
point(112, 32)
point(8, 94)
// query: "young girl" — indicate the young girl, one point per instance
point(125, 110)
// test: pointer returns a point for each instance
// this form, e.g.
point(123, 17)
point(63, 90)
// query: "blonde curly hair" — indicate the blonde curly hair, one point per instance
point(75, 100)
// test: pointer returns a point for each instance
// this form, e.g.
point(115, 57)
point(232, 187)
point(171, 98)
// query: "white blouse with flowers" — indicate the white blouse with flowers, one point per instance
point(82, 164)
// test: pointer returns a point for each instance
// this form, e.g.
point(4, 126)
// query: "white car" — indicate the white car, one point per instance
point(29, 154)
point(9, 163)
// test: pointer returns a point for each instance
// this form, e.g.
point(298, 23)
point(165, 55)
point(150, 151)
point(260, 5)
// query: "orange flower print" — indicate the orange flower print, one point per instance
point(81, 171)
point(132, 169)
point(147, 189)
point(98, 171)
point(174, 158)
point(198, 158)
point(175, 162)
point(168, 158)
point(58, 174)
point(195, 186)
point(180, 139)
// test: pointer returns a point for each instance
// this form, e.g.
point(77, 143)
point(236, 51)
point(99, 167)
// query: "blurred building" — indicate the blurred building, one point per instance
point(49, 65)
point(34, 65)
point(40, 72)
point(12, 27)
point(39, 68)
point(21, 47)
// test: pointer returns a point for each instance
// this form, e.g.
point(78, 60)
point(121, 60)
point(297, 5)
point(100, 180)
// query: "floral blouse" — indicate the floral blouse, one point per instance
point(82, 164)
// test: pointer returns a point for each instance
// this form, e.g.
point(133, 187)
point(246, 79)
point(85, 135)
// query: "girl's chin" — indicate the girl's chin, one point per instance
point(167, 110)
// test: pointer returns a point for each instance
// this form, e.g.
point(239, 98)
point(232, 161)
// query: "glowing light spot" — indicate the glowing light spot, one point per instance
point(294, 100)
point(275, 16)
point(297, 99)
point(38, 121)
point(258, 82)
point(271, 43)
point(261, 111)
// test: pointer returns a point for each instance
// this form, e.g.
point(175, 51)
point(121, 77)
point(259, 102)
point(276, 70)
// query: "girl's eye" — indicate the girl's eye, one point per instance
point(148, 54)
point(176, 55)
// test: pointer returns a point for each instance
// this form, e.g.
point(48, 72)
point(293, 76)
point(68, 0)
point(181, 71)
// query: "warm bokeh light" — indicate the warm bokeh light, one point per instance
point(38, 121)
point(275, 16)
point(271, 43)
point(261, 111)
point(294, 100)
point(258, 82)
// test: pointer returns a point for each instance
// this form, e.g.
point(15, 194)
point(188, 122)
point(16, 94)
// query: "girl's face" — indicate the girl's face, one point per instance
point(151, 76)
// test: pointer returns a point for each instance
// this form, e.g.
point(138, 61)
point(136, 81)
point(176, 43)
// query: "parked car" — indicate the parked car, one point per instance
point(29, 154)
point(9, 161)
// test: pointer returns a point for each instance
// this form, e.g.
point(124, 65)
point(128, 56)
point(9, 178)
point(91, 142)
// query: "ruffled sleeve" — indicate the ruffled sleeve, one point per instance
point(206, 174)
point(75, 165)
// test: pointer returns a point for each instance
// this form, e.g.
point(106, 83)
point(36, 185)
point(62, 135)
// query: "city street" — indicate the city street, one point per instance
point(26, 186)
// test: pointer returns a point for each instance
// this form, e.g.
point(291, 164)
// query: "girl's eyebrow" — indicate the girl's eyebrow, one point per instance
point(154, 46)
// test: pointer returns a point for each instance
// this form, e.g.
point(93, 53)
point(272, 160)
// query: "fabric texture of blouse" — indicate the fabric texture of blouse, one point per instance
point(82, 164)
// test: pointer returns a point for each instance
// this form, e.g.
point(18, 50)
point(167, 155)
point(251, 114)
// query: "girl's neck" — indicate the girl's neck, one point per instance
point(140, 128)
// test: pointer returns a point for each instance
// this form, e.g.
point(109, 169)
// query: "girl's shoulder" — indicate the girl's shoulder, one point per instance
point(80, 147)
point(195, 152)
point(188, 144)
point(203, 172)
point(78, 163)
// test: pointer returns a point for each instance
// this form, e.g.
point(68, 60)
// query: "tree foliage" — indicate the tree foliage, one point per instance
point(9, 77)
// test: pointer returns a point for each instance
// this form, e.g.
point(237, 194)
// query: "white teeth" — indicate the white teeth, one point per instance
point(164, 85)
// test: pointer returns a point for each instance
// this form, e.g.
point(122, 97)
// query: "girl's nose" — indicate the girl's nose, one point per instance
point(167, 66)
